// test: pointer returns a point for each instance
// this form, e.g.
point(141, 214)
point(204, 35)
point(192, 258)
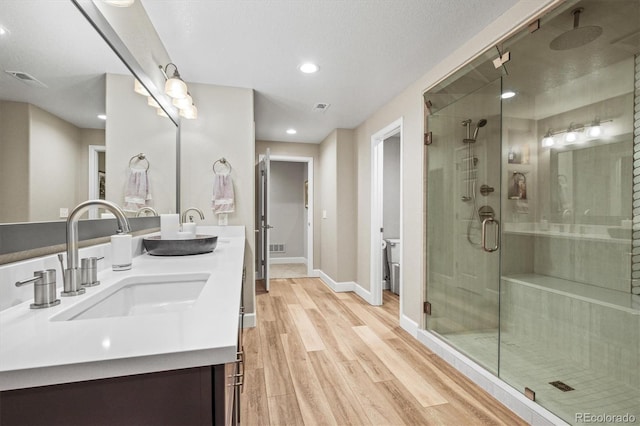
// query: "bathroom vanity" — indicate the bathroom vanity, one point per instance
point(158, 344)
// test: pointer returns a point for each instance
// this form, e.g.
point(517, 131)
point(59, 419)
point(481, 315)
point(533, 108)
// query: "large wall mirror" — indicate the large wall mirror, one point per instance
point(58, 76)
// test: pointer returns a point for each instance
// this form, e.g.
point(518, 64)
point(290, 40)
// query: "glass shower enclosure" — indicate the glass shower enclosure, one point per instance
point(533, 211)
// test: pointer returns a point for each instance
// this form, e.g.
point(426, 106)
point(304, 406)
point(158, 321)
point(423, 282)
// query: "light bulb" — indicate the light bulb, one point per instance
point(571, 136)
point(190, 113)
point(548, 142)
point(161, 112)
point(152, 102)
point(184, 102)
point(176, 88)
point(594, 131)
point(139, 88)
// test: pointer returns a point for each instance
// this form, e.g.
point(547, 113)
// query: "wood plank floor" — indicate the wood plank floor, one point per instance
point(322, 358)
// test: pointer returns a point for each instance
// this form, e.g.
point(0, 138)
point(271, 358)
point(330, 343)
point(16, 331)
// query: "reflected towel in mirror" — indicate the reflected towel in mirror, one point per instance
point(223, 195)
point(136, 192)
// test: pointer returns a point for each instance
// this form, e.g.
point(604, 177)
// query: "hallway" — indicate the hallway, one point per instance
point(318, 357)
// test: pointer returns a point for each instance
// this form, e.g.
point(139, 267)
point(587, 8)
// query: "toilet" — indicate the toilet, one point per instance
point(393, 261)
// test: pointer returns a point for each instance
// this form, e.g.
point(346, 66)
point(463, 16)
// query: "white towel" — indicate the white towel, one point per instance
point(223, 196)
point(136, 192)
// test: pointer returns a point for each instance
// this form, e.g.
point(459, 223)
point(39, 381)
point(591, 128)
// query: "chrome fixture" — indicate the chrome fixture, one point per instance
point(72, 274)
point(572, 133)
point(179, 92)
point(577, 36)
point(89, 271)
point(44, 288)
point(146, 209)
point(195, 209)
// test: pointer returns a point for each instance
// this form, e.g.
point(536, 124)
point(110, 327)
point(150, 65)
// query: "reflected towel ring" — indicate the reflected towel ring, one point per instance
point(139, 157)
point(223, 161)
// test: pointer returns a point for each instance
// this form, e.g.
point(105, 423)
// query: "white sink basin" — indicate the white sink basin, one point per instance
point(140, 295)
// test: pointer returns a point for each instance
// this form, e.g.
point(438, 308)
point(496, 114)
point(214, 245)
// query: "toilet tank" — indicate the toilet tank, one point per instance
point(393, 250)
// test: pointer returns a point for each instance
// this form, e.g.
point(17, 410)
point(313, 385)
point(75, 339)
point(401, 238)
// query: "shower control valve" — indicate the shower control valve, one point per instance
point(486, 190)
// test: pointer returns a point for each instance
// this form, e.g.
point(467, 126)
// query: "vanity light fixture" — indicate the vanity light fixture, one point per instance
point(548, 141)
point(174, 86)
point(309, 68)
point(161, 112)
point(139, 88)
point(508, 94)
point(152, 102)
point(595, 130)
point(291, 131)
point(571, 134)
point(190, 113)
point(185, 102)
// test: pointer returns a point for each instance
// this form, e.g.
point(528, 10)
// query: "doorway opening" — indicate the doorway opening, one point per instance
point(97, 176)
point(284, 215)
point(386, 213)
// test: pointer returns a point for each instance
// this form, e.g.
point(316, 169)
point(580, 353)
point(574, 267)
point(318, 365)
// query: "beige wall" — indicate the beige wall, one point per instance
point(14, 158)
point(224, 128)
point(328, 185)
point(409, 106)
point(134, 127)
point(54, 152)
point(300, 150)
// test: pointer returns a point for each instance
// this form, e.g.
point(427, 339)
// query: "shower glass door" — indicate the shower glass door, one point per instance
point(463, 192)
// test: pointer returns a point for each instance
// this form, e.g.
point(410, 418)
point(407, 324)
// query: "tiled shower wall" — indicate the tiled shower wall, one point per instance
point(635, 264)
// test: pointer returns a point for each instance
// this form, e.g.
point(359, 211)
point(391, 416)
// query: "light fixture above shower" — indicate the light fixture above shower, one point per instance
point(573, 134)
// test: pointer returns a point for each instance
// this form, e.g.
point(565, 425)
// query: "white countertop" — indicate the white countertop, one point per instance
point(35, 351)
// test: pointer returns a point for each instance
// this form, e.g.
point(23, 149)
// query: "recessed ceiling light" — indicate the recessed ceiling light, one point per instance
point(291, 131)
point(308, 68)
point(3, 31)
point(102, 116)
point(508, 94)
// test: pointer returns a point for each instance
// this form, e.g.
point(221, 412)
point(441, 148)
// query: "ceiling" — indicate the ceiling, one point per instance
point(64, 53)
point(368, 52)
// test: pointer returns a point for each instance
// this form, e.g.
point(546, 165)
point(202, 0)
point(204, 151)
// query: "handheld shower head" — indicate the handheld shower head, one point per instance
point(481, 123)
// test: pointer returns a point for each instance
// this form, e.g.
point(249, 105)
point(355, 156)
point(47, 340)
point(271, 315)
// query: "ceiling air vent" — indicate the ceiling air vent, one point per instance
point(321, 107)
point(26, 78)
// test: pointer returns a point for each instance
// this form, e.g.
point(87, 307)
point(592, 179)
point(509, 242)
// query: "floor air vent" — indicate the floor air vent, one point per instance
point(562, 386)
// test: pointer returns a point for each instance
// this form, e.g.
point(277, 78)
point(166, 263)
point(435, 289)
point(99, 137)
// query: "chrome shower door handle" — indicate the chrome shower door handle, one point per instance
point(485, 223)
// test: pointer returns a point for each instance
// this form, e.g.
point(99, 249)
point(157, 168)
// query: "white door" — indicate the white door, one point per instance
point(263, 220)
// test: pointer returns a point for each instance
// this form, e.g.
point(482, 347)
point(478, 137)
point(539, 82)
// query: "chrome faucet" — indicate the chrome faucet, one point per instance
point(146, 209)
point(195, 209)
point(72, 274)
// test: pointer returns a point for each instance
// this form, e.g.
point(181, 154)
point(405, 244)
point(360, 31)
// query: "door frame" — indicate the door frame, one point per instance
point(310, 211)
point(377, 163)
point(94, 184)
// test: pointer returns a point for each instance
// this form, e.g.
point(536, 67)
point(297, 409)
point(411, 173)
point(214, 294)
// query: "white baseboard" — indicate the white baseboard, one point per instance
point(281, 260)
point(315, 273)
point(409, 325)
point(249, 320)
point(532, 413)
point(363, 293)
point(336, 286)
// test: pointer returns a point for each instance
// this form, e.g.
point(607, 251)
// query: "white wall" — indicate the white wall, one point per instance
point(224, 128)
point(409, 106)
point(287, 207)
point(391, 188)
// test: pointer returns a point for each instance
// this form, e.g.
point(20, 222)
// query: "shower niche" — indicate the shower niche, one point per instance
point(549, 182)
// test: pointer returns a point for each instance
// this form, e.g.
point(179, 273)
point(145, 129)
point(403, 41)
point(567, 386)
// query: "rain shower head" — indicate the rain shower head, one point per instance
point(577, 36)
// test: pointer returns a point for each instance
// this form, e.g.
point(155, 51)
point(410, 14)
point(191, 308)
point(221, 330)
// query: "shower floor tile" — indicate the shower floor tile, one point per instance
point(524, 364)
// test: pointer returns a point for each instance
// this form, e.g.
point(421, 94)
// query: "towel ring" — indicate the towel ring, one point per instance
point(223, 161)
point(139, 157)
